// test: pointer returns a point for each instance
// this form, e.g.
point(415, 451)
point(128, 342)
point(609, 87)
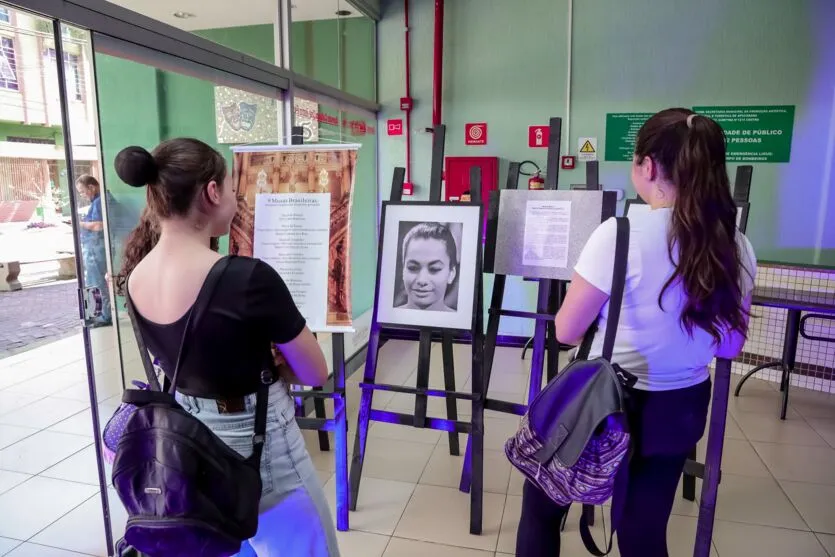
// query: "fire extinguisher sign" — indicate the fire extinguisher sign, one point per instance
point(538, 136)
point(475, 134)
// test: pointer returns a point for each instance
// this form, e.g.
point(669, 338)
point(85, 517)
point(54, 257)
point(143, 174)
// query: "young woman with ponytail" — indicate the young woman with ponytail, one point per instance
point(690, 275)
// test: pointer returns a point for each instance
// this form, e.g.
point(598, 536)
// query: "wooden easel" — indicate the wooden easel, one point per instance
point(544, 334)
point(419, 419)
point(339, 423)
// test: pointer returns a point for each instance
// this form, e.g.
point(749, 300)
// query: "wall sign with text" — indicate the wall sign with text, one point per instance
point(755, 133)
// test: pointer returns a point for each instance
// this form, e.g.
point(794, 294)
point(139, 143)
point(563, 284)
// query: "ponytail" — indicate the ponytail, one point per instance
point(690, 149)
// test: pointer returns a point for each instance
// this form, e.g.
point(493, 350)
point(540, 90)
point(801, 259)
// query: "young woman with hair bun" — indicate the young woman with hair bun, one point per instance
point(190, 201)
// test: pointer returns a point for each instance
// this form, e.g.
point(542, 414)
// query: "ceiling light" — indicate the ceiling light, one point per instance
point(184, 15)
point(343, 13)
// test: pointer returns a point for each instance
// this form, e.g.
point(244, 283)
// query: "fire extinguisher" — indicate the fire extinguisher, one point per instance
point(536, 181)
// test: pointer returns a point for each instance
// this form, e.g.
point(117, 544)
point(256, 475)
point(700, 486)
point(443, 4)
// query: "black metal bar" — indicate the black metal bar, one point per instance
point(477, 421)
point(713, 458)
point(437, 168)
point(742, 182)
point(316, 424)
point(439, 424)
point(538, 357)
point(548, 316)
point(449, 385)
point(364, 413)
point(397, 180)
point(58, 38)
point(424, 354)
point(416, 391)
point(821, 316)
point(754, 372)
point(790, 342)
point(513, 176)
point(321, 394)
point(688, 481)
point(340, 437)
point(592, 175)
point(505, 406)
point(553, 167)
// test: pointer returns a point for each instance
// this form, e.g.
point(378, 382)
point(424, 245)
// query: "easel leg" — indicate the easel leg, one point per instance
point(424, 354)
point(688, 482)
point(363, 418)
point(487, 368)
point(319, 411)
point(449, 385)
point(340, 416)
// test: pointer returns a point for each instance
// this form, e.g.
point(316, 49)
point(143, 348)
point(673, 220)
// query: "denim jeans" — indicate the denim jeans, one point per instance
point(95, 268)
point(295, 520)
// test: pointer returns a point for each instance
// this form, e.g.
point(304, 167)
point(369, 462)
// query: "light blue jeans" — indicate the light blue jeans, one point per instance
point(295, 519)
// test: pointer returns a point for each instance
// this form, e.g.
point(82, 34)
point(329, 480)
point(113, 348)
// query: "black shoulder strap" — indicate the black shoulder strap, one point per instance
point(618, 286)
point(150, 372)
point(616, 297)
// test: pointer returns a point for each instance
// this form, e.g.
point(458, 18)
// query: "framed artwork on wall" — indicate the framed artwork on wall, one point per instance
point(428, 264)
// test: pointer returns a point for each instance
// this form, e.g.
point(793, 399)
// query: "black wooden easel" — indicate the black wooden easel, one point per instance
point(321, 423)
point(693, 468)
point(474, 427)
point(544, 332)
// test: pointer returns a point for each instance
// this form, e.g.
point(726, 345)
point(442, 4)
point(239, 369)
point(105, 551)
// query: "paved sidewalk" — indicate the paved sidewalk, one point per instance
point(37, 315)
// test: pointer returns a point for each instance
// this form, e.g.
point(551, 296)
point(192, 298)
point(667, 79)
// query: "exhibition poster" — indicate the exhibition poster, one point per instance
point(547, 227)
point(294, 210)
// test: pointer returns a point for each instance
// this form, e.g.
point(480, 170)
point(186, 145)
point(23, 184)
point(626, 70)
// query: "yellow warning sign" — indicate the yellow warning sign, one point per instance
point(587, 149)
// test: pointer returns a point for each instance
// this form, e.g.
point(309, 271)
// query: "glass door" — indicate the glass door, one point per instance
point(64, 373)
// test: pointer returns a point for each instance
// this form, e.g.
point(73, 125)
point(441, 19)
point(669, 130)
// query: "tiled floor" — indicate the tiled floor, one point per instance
point(775, 499)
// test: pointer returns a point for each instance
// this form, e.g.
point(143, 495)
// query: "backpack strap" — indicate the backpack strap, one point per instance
point(618, 286)
point(150, 372)
point(615, 303)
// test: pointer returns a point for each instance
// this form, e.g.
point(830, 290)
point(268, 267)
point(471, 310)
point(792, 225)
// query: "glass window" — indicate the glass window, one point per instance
point(5, 16)
point(324, 121)
point(173, 104)
point(8, 65)
point(249, 29)
point(332, 42)
point(72, 69)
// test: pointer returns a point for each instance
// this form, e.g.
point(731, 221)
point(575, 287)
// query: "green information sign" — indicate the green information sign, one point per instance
point(621, 130)
point(754, 133)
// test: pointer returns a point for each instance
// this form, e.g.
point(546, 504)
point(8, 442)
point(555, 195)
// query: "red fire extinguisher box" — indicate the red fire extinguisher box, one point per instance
point(457, 178)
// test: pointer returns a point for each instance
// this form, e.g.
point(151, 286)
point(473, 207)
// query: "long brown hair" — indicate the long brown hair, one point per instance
point(690, 150)
point(176, 173)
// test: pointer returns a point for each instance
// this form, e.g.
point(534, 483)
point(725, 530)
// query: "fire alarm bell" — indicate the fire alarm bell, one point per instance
point(405, 103)
point(569, 162)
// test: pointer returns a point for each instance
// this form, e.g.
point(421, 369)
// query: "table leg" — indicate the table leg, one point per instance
point(789, 356)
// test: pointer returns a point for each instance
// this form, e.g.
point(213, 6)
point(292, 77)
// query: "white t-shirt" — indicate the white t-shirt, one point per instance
point(651, 343)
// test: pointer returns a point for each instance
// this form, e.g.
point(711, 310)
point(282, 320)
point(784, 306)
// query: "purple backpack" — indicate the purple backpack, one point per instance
point(574, 441)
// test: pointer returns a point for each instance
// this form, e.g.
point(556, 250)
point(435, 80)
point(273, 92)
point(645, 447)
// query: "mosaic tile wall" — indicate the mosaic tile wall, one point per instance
point(815, 367)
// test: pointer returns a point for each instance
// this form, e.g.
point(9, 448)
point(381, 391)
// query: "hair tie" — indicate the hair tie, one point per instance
point(690, 120)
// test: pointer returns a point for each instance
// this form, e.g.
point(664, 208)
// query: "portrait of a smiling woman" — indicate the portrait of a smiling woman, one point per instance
point(428, 266)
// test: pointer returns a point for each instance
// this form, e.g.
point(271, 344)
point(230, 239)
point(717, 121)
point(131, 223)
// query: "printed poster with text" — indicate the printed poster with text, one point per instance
point(294, 211)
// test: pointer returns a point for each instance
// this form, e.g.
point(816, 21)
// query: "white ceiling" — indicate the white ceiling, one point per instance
point(211, 14)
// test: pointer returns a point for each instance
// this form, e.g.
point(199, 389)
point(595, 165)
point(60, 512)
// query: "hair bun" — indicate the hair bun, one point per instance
point(136, 167)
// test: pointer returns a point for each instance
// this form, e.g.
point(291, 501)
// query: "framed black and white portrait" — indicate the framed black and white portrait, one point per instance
point(428, 264)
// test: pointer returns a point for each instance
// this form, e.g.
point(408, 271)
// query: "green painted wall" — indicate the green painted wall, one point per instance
point(506, 63)
point(255, 40)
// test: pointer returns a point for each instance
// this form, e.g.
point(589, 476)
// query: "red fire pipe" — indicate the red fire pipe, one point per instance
point(408, 95)
point(438, 66)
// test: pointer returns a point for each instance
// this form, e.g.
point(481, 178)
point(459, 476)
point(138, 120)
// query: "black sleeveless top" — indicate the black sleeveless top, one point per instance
point(250, 309)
